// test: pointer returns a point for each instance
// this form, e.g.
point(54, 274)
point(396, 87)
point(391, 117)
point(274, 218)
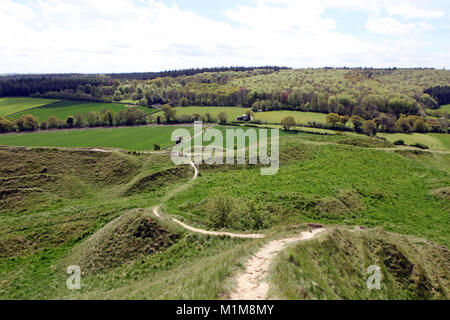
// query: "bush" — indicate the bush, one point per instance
point(399, 143)
point(420, 146)
point(219, 209)
point(156, 147)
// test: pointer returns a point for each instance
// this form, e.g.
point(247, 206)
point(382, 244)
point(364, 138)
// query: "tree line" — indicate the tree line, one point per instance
point(105, 118)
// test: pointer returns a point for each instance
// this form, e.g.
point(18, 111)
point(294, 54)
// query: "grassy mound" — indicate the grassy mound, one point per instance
point(335, 267)
point(131, 236)
point(158, 179)
point(38, 178)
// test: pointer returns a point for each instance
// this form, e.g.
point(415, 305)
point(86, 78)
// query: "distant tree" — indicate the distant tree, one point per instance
point(420, 126)
point(434, 125)
point(387, 122)
point(70, 121)
point(6, 125)
point(169, 112)
point(370, 127)
point(93, 119)
point(288, 122)
point(428, 101)
point(344, 119)
point(109, 118)
point(78, 120)
point(43, 125)
point(403, 125)
point(222, 117)
point(333, 119)
point(88, 88)
point(27, 122)
point(156, 147)
point(117, 96)
point(357, 122)
point(53, 122)
point(209, 118)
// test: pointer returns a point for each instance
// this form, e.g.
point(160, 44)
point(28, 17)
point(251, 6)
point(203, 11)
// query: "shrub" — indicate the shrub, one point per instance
point(399, 143)
point(219, 209)
point(420, 146)
point(156, 147)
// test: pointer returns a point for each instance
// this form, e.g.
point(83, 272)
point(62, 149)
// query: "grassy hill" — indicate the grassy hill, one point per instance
point(9, 106)
point(330, 183)
point(335, 267)
point(93, 209)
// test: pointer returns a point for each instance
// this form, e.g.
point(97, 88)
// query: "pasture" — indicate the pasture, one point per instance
point(10, 106)
point(445, 108)
point(299, 116)
point(67, 108)
point(438, 141)
point(129, 138)
point(231, 112)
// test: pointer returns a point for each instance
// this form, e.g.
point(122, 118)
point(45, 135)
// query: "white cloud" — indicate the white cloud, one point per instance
point(122, 36)
point(409, 11)
point(391, 27)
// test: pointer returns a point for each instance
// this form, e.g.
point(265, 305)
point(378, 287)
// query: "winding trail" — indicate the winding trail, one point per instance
point(252, 284)
point(156, 212)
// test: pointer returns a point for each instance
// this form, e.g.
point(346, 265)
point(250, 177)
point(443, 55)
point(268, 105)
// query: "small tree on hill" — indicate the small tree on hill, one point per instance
point(288, 122)
point(169, 112)
point(333, 119)
point(420, 126)
point(222, 117)
point(370, 127)
point(357, 122)
point(27, 122)
point(70, 121)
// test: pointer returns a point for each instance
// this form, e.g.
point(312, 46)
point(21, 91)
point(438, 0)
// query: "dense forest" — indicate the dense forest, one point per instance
point(383, 95)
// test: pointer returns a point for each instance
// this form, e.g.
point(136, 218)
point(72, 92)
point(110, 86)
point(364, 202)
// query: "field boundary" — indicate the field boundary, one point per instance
point(44, 105)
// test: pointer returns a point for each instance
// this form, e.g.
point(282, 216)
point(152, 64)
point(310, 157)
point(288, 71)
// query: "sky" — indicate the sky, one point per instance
point(103, 36)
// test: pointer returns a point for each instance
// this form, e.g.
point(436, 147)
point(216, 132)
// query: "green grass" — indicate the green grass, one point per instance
point(445, 108)
point(299, 116)
point(333, 184)
point(9, 106)
point(67, 108)
point(130, 138)
point(76, 221)
point(334, 267)
point(269, 117)
point(62, 207)
point(232, 112)
point(433, 140)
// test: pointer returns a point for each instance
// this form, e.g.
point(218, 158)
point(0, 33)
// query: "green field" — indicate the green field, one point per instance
point(232, 112)
point(130, 138)
point(67, 108)
point(9, 106)
point(299, 116)
point(269, 117)
point(445, 108)
point(437, 141)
